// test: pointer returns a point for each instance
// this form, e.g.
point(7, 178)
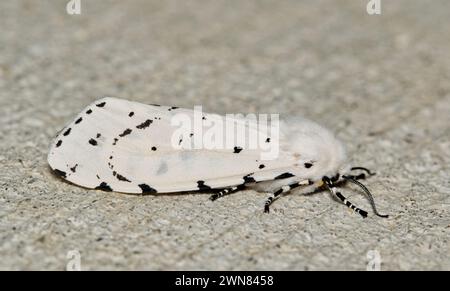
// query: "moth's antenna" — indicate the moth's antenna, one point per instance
point(363, 169)
point(372, 201)
point(332, 188)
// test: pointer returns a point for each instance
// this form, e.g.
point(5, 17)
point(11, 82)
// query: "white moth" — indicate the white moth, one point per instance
point(124, 146)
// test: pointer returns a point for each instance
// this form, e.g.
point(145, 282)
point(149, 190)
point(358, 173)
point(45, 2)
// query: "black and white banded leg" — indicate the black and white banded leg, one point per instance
point(226, 191)
point(276, 194)
point(361, 176)
point(341, 197)
point(350, 205)
point(351, 179)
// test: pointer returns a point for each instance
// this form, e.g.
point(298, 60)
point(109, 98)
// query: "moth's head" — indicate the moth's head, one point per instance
point(337, 177)
point(345, 169)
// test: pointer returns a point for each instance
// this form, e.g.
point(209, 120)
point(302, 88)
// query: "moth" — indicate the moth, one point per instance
point(124, 146)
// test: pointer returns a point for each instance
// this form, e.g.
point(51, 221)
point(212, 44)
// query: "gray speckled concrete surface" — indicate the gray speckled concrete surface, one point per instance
point(382, 83)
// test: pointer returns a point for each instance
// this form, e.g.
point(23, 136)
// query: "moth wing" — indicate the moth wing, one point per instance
point(125, 146)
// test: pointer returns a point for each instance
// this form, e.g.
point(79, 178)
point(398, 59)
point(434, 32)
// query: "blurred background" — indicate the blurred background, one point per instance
point(381, 82)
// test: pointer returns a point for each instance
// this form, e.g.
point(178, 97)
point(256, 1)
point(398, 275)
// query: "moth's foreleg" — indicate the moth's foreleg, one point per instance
point(361, 176)
point(276, 194)
point(351, 205)
point(341, 197)
point(226, 191)
point(369, 195)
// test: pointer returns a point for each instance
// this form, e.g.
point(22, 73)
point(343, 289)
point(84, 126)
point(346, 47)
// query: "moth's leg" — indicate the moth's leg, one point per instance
point(350, 205)
point(226, 191)
point(276, 194)
point(362, 175)
point(341, 197)
point(369, 195)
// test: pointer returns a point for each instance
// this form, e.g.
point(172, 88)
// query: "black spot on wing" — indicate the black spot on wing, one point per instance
point(131, 114)
point(115, 141)
point(262, 166)
point(103, 186)
point(237, 150)
point(67, 132)
point(93, 142)
point(268, 139)
point(284, 176)
point(146, 189)
point(78, 120)
point(144, 124)
point(89, 111)
point(100, 104)
point(98, 135)
point(308, 165)
point(59, 143)
point(248, 179)
point(154, 148)
point(122, 178)
point(155, 105)
point(202, 186)
point(74, 168)
point(60, 173)
point(125, 132)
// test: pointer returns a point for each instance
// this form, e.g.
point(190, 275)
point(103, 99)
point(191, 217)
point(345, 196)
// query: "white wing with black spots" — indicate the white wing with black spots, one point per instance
point(124, 146)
